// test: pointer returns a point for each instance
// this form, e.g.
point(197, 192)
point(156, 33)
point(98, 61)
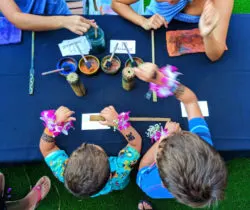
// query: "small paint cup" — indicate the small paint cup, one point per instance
point(136, 59)
point(95, 65)
point(115, 65)
point(69, 62)
point(96, 37)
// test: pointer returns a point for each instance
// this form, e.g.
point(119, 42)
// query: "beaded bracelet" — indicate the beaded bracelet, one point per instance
point(49, 118)
point(122, 122)
point(169, 82)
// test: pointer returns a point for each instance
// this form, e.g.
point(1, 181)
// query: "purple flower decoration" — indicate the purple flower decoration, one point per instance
point(169, 82)
point(123, 121)
point(49, 119)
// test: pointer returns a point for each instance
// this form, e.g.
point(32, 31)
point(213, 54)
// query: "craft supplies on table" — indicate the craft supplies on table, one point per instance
point(69, 63)
point(128, 78)
point(32, 68)
point(95, 65)
point(115, 64)
point(76, 84)
point(135, 119)
point(97, 42)
point(137, 60)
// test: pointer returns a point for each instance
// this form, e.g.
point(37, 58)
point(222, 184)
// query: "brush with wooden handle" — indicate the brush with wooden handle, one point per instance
point(134, 119)
point(133, 63)
point(86, 62)
point(108, 64)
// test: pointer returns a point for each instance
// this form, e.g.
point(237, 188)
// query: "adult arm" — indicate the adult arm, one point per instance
point(215, 42)
point(122, 7)
point(12, 12)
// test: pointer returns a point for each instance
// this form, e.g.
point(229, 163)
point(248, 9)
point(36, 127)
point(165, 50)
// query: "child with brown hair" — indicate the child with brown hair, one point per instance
point(89, 171)
point(182, 164)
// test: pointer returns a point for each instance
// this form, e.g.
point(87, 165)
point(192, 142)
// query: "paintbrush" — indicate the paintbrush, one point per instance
point(133, 63)
point(108, 64)
point(135, 119)
point(87, 63)
point(66, 68)
point(32, 69)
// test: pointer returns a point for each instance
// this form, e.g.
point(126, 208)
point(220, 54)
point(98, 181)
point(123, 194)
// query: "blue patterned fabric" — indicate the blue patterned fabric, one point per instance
point(148, 178)
point(57, 162)
point(171, 11)
point(120, 168)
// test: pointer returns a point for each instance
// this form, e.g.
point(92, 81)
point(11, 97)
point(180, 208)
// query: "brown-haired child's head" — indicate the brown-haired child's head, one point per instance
point(191, 169)
point(87, 170)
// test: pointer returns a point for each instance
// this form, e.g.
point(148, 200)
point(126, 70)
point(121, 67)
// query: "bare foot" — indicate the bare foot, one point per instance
point(144, 205)
point(38, 193)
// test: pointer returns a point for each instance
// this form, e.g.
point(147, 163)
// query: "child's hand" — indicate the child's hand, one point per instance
point(148, 72)
point(63, 114)
point(110, 115)
point(154, 22)
point(78, 24)
point(172, 128)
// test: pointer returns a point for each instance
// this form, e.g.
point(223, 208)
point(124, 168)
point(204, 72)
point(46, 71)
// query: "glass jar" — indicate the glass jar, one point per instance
point(96, 39)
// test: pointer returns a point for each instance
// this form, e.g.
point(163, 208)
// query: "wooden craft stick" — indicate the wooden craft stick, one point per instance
point(135, 119)
point(153, 45)
point(153, 59)
point(96, 33)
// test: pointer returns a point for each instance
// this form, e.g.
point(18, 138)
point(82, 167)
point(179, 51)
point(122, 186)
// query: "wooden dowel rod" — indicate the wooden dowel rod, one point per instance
point(135, 119)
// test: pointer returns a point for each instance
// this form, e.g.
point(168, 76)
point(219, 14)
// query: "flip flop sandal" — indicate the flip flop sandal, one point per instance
point(206, 30)
point(143, 201)
point(38, 189)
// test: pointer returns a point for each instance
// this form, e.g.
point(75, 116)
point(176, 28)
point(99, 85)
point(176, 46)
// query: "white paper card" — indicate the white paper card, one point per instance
point(68, 47)
point(121, 49)
point(203, 106)
point(91, 125)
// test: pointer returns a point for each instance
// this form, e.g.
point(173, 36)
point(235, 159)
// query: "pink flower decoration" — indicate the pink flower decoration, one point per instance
point(123, 121)
point(169, 82)
point(49, 118)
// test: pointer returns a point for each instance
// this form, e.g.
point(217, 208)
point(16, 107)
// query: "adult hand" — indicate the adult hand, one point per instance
point(148, 72)
point(154, 22)
point(209, 18)
point(110, 115)
point(78, 24)
point(63, 114)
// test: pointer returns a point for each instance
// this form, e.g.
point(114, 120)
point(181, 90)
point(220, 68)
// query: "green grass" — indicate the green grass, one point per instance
point(237, 193)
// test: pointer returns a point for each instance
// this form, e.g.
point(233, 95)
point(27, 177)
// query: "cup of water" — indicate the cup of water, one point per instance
point(96, 38)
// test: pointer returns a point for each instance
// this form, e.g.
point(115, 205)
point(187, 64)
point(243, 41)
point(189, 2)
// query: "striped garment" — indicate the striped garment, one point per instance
point(171, 11)
point(148, 178)
point(43, 7)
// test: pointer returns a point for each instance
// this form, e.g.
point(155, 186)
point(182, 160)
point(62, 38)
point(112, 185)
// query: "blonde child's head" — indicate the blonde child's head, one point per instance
point(191, 169)
point(87, 170)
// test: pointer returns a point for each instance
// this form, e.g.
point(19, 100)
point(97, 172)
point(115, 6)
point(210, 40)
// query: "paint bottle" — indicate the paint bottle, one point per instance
point(128, 78)
point(76, 84)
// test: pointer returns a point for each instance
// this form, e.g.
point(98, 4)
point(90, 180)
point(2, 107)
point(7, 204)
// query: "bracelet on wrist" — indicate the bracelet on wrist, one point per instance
point(122, 122)
point(49, 119)
point(169, 82)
